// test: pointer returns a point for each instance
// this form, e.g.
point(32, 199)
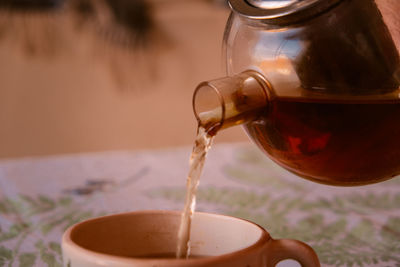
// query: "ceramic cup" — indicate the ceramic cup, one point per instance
point(148, 238)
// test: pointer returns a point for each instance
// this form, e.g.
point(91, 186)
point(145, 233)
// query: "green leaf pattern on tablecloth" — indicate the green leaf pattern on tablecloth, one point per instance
point(322, 222)
point(346, 228)
point(38, 215)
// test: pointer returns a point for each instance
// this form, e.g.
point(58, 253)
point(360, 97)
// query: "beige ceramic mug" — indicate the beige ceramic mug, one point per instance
point(149, 238)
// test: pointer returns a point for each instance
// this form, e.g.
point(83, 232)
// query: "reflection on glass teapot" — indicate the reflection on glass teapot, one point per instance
point(315, 83)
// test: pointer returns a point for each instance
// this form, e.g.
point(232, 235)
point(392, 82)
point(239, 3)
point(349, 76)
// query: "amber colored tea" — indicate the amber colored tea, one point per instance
point(341, 142)
point(201, 146)
point(168, 255)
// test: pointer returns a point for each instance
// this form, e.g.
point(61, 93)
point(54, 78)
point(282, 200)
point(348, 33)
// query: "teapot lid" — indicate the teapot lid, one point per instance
point(280, 11)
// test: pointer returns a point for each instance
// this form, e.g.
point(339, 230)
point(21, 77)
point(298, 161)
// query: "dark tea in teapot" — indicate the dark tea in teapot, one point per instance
point(315, 84)
point(335, 142)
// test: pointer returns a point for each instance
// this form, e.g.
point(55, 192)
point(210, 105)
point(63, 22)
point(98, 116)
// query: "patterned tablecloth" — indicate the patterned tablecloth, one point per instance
point(41, 197)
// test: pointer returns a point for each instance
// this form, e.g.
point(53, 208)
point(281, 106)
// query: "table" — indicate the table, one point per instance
point(41, 196)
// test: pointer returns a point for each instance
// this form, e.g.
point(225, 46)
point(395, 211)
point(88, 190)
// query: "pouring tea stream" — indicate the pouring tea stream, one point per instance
point(315, 83)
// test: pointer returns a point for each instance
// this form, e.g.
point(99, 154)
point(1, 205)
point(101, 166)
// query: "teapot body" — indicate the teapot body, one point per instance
point(334, 110)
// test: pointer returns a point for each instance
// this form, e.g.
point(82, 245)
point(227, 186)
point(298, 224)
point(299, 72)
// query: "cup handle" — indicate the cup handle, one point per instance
point(285, 249)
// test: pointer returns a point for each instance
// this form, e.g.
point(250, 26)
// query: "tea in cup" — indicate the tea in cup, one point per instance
point(149, 238)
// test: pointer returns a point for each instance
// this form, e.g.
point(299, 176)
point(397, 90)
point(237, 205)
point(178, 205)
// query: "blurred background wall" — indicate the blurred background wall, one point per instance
point(94, 75)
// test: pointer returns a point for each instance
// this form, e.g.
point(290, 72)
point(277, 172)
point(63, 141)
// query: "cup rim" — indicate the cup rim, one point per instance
point(67, 241)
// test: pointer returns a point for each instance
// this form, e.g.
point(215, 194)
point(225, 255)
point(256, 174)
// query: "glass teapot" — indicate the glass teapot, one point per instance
point(315, 83)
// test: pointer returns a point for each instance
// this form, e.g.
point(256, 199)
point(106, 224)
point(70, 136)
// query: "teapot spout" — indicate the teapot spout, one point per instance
point(230, 101)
